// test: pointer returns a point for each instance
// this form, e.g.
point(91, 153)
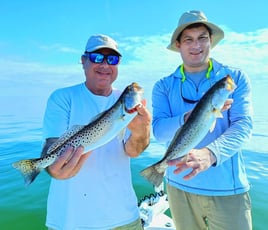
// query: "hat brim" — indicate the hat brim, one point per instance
point(217, 34)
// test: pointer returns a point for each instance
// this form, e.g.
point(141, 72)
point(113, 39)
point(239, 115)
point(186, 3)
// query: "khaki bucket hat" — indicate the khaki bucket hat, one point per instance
point(192, 17)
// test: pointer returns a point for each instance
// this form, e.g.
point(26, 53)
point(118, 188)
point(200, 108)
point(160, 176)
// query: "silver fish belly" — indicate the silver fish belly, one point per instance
point(102, 129)
point(201, 120)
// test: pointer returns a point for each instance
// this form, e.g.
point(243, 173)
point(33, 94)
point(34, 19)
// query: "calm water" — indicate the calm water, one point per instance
point(20, 137)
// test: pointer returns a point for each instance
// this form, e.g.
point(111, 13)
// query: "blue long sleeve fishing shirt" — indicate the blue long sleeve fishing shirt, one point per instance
point(226, 141)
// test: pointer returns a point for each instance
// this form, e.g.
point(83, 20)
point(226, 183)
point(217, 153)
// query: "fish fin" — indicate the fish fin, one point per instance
point(122, 134)
point(153, 175)
point(218, 113)
point(212, 126)
point(49, 142)
point(28, 169)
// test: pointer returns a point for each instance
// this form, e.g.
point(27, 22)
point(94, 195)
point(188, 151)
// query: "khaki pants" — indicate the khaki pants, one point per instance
point(195, 212)
point(136, 225)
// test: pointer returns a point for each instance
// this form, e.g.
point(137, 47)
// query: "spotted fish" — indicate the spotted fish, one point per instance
point(200, 122)
point(102, 129)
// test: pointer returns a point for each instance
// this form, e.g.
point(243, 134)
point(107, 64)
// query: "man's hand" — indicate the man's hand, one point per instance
point(140, 131)
point(69, 163)
point(141, 121)
point(197, 159)
point(227, 104)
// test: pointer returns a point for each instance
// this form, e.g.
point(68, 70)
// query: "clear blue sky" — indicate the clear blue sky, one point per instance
point(41, 41)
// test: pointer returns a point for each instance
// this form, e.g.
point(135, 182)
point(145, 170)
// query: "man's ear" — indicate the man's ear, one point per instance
point(83, 59)
point(177, 44)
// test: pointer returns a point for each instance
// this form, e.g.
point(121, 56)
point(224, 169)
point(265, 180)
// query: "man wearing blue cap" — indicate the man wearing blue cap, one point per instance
point(93, 190)
point(208, 189)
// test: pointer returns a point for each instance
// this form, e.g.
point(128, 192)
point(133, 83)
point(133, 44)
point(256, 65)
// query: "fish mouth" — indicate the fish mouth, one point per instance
point(132, 110)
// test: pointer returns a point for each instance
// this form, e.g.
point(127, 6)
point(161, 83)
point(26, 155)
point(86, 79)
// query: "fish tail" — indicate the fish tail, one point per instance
point(29, 169)
point(153, 174)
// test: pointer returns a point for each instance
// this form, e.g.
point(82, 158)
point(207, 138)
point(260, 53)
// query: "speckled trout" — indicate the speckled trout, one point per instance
point(190, 134)
point(100, 130)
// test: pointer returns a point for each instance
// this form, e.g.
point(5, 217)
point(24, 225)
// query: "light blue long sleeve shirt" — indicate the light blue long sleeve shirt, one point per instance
point(226, 141)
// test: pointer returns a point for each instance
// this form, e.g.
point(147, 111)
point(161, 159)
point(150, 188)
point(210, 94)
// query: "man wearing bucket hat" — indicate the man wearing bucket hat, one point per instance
point(210, 189)
point(93, 190)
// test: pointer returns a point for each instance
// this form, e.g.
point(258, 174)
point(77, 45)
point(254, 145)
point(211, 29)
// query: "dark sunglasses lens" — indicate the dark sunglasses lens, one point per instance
point(112, 59)
point(96, 57)
point(192, 98)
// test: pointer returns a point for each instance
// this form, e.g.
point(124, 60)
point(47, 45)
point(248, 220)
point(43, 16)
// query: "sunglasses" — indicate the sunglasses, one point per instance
point(99, 58)
point(187, 100)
